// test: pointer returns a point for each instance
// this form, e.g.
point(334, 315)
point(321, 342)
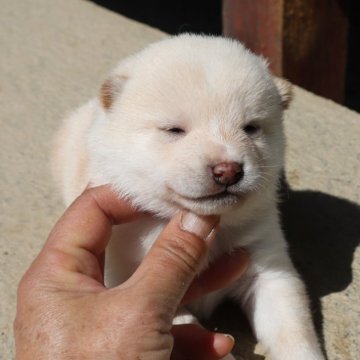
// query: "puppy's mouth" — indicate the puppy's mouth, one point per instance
point(213, 202)
point(214, 197)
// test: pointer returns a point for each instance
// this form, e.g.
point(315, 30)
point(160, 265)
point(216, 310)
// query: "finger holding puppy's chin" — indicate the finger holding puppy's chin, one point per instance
point(87, 225)
point(176, 256)
point(188, 237)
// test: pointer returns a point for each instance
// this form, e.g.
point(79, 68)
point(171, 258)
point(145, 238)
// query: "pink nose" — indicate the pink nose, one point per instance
point(227, 173)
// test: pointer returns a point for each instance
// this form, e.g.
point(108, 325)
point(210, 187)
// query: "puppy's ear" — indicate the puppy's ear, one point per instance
point(110, 89)
point(284, 88)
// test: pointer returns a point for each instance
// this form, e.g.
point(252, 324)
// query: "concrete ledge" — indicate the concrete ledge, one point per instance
point(53, 58)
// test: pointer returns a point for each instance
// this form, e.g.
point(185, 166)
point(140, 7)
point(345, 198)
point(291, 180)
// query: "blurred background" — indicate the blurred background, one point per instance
point(313, 43)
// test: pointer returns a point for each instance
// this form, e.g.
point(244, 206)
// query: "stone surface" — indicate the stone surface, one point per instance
point(54, 56)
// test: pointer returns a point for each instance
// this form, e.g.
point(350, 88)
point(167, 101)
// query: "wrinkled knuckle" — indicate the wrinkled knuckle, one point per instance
point(185, 251)
point(25, 286)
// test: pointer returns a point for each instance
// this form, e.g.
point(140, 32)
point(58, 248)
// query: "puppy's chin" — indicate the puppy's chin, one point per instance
point(209, 205)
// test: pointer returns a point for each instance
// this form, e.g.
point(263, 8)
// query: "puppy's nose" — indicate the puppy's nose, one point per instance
point(227, 173)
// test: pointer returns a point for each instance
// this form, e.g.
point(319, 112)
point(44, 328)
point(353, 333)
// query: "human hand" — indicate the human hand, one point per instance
point(64, 310)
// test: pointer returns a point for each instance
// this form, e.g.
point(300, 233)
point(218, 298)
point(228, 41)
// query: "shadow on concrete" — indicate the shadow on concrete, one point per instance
point(323, 232)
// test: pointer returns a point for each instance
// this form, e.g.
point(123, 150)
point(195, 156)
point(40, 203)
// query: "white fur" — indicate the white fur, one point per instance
point(211, 87)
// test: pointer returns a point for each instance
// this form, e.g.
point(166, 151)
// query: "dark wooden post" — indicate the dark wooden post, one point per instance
point(304, 40)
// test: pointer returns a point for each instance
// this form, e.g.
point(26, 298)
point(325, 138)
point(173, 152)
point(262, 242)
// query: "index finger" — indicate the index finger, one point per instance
point(87, 223)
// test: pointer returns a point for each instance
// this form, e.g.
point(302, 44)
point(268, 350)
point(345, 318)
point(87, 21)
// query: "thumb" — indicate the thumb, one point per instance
point(175, 258)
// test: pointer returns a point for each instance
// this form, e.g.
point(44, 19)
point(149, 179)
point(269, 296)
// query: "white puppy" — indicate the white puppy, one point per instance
point(195, 122)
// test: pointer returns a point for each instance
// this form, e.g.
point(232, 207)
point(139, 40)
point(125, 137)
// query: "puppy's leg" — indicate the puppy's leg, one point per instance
point(277, 307)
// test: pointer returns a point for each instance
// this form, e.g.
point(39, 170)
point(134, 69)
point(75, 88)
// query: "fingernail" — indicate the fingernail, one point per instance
point(229, 337)
point(223, 344)
point(202, 226)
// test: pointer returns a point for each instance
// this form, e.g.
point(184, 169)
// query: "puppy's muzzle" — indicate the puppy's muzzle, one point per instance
point(227, 173)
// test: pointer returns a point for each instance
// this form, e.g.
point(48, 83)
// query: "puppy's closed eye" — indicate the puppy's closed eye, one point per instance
point(174, 130)
point(252, 129)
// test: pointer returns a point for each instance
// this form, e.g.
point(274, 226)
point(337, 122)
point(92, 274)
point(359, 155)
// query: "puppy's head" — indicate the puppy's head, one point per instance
point(190, 122)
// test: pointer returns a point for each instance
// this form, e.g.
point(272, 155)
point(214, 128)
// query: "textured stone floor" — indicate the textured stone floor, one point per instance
point(53, 57)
